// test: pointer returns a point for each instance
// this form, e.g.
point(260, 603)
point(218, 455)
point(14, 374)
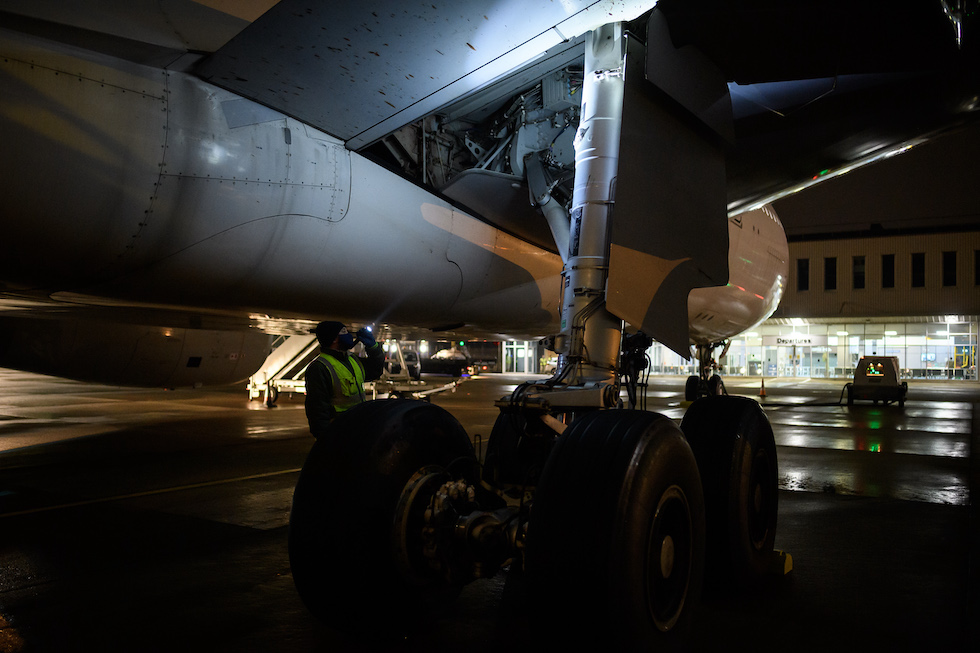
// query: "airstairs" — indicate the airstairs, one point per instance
point(285, 371)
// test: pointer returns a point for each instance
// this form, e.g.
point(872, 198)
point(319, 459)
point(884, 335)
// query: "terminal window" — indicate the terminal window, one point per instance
point(887, 270)
point(919, 270)
point(830, 273)
point(949, 269)
point(857, 270)
point(802, 274)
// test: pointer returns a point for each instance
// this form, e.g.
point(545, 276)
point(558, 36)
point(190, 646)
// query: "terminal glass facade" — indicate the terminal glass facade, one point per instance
point(831, 350)
point(521, 357)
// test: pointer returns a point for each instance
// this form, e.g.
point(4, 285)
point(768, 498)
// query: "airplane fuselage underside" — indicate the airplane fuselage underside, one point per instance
point(152, 187)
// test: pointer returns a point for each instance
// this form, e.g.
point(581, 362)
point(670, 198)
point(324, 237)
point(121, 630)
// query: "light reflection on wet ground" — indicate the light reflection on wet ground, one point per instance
point(917, 453)
point(179, 543)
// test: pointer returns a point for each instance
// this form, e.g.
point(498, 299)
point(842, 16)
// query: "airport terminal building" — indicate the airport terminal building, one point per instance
point(912, 295)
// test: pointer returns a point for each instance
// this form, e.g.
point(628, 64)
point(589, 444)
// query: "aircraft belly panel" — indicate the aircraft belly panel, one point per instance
point(83, 139)
point(504, 278)
point(241, 204)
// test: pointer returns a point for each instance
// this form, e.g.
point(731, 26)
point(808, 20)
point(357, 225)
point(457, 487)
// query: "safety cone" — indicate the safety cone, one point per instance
point(762, 391)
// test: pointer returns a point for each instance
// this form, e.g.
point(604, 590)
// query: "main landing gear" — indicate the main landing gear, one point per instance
point(615, 515)
point(615, 522)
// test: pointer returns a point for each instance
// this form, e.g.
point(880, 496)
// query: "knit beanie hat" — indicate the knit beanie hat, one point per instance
point(326, 332)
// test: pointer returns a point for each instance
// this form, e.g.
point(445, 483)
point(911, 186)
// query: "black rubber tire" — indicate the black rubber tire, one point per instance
point(341, 524)
point(515, 456)
point(733, 443)
point(616, 484)
point(692, 388)
point(272, 396)
point(716, 387)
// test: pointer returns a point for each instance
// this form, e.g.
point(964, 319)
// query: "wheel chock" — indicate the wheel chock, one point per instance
point(781, 564)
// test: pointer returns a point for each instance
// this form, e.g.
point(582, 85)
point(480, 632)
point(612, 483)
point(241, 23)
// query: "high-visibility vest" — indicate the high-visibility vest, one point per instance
point(348, 387)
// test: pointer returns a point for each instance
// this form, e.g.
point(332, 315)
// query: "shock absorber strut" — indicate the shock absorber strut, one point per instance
point(590, 335)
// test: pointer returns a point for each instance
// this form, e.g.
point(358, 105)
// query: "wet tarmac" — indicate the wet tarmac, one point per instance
point(142, 520)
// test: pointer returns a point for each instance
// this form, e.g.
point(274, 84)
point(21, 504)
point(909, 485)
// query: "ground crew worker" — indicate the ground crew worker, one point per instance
point(335, 380)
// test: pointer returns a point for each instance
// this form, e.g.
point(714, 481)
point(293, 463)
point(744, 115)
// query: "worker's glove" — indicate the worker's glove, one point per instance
point(366, 337)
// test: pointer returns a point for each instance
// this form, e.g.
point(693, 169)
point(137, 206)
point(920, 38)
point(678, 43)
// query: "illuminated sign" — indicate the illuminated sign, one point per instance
point(795, 340)
point(874, 370)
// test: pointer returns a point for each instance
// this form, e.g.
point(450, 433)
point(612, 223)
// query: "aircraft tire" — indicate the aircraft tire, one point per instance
point(272, 396)
point(615, 542)
point(716, 386)
point(514, 456)
point(733, 443)
point(692, 388)
point(341, 533)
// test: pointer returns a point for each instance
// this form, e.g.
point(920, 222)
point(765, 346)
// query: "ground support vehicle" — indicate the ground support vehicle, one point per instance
point(876, 378)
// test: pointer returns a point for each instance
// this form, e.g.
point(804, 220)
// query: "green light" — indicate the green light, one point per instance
point(461, 343)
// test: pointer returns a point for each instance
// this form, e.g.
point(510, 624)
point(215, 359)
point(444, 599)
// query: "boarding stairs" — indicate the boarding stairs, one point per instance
point(284, 369)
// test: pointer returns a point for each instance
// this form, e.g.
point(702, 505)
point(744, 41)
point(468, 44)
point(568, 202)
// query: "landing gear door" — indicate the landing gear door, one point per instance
point(670, 230)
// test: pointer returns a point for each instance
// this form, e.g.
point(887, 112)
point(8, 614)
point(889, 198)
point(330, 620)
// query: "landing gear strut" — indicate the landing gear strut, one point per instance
point(708, 382)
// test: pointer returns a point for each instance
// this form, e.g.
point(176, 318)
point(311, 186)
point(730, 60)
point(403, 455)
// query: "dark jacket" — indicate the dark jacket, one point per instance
point(319, 385)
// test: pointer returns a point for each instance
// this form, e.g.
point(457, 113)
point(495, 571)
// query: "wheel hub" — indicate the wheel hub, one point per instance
point(667, 557)
point(671, 534)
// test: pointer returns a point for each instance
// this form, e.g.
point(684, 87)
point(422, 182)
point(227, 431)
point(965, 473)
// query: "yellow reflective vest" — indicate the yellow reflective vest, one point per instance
point(348, 387)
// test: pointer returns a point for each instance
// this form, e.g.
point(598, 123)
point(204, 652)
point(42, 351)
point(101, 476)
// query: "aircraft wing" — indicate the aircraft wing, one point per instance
point(360, 70)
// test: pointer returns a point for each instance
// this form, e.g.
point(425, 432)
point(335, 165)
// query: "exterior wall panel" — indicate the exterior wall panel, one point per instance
point(873, 300)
